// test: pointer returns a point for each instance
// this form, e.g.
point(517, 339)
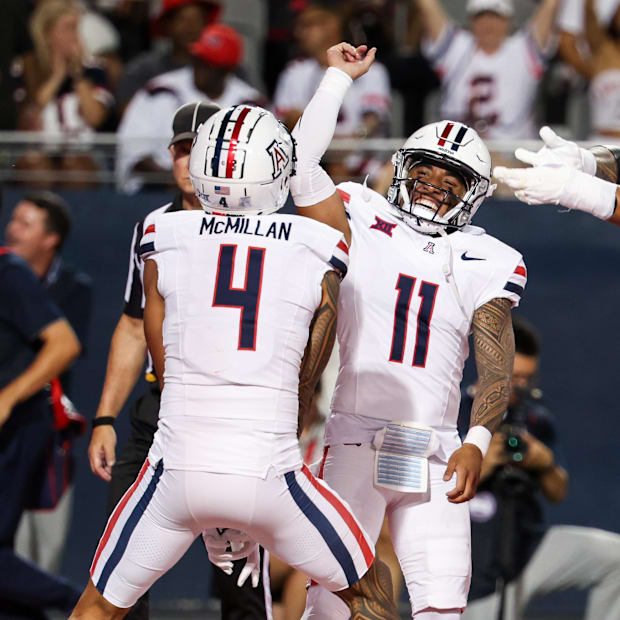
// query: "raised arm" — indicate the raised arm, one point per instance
point(313, 191)
point(595, 33)
point(434, 18)
point(543, 22)
point(320, 343)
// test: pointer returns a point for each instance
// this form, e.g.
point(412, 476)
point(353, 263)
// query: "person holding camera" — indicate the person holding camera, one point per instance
point(515, 556)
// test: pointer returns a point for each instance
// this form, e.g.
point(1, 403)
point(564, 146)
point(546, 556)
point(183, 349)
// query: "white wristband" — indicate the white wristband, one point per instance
point(337, 82)
point(480, 437)
point(583, 192)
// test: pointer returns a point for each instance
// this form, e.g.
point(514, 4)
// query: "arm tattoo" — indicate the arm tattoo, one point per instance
point(320, 343)
point(372, 597)
point(494, 348)
point(607, 158)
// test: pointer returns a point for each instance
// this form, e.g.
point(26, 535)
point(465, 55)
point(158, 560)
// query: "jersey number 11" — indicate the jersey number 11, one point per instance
point(427, 292)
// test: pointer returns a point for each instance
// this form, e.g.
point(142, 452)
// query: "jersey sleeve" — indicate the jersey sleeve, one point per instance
point(508, 282)
point(134, 297)
point(340, 257)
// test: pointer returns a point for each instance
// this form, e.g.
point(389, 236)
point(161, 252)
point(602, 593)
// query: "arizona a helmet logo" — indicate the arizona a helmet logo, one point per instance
point(279, 158)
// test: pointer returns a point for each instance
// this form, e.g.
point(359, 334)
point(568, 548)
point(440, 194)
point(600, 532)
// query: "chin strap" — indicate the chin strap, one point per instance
point(449, 275)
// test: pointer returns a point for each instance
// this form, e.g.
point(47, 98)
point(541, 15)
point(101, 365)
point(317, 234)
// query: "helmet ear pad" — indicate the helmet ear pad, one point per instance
point(452, 146)
point(241, 162)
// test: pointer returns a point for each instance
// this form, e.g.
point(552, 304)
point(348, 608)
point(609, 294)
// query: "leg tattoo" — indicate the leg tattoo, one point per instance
point(371, 597)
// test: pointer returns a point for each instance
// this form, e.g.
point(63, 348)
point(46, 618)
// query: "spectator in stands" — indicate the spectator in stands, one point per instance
point(510, 540)
point(102, 43)
point(70, 96)
point(366, 107)
point(489, 78)
point(604, 45)
point(410, 72)
point(144, 132)
point(36, 345)
point(14, 43)
point(37, 231)
point(572, 45)
point(365, 111)
point(180, 22)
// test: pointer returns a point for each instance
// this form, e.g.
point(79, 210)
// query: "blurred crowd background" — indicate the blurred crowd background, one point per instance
point(92, 84)
point(88, 90)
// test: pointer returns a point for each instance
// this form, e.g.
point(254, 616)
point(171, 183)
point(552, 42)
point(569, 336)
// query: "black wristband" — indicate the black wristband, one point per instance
point(103, 421)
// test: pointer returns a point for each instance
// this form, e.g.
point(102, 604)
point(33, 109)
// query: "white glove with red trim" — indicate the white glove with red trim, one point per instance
point(224, 546)
point(558, 152)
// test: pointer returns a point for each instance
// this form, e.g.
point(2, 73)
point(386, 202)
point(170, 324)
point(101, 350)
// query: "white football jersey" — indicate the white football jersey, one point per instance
point(403, 336)
point(240, 294)
point(494, 93)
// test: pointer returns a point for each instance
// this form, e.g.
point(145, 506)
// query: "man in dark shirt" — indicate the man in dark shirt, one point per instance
point(37, 230)
point(125, 363)
point(36, 345)
point(180, 22)
point(511, 542)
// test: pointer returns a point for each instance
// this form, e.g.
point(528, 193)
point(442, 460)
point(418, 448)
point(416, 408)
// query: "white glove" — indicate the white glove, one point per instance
point(227, 545)
point(561, 185)
point(558, 152)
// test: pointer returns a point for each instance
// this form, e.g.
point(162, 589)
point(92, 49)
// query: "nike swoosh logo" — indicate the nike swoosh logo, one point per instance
point(465, 257)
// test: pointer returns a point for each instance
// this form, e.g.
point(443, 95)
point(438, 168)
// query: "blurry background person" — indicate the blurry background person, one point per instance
point(604, 44)
point(365, 111)
point(178, 25)
point(15, 42)
point(489, 77)
point(36, 345)
point(70, 95)
point(145, 128)
point(37, 231)
point(510, 541)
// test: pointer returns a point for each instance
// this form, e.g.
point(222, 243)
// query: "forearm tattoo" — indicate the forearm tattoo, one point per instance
point(494, 348)
point(320, 343)
point(607, 158)
point(371, 598)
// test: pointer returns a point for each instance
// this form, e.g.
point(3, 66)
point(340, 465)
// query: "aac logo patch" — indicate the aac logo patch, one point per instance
point(383, 226)
point(279, 158)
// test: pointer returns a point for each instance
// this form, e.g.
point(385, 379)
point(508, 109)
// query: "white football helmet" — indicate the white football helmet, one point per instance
point(455, 147)
point(241, 161)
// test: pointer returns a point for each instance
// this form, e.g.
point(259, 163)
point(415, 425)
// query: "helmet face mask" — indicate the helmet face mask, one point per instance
point(430, 208)
point(241, 162)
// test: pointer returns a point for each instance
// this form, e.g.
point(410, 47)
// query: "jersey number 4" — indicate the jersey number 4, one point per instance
point(247, 299)
point(427, 292)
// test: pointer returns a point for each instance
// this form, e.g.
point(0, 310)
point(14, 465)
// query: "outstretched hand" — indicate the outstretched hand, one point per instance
point(557, 151)
point(354, 61)
point(466, 462)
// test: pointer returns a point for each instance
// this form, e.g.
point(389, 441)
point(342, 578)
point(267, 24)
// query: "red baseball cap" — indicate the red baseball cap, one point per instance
point(219, 45)
point(213, 6)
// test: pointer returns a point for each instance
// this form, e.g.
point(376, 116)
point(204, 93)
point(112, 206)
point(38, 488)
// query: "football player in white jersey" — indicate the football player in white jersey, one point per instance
point(421, 279)
point(231, 295)
point(566, 174)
